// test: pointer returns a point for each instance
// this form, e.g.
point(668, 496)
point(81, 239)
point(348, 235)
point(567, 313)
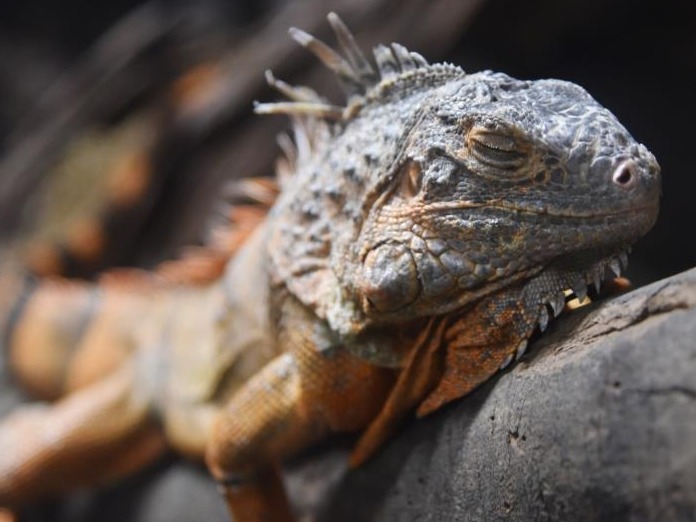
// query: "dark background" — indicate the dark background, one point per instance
point(638, 58)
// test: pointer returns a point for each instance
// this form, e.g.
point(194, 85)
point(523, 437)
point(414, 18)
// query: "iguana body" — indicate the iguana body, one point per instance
point(421, 235)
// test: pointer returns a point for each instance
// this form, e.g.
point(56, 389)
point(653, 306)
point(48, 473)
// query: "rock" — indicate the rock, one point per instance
point(597, 422)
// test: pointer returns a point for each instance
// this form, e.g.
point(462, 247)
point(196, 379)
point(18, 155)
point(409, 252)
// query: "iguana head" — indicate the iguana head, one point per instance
point(434, 187)
point(499, 177)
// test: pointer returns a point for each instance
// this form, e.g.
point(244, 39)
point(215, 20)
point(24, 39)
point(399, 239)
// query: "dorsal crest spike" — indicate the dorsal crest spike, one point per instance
point(387, 63)
point(294, 93)
point(346, 74)
point(353, 53)
point(404, 57)
point(318, 110)
point(356, 73)
point(419, 60)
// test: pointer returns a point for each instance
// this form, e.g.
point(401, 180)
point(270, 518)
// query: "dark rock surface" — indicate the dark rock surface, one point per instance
point(597, 422)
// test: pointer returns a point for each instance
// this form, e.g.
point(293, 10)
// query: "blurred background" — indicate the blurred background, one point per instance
point(121, 122)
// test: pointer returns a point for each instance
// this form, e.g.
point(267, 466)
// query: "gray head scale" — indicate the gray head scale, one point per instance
point(502, 178)
point(473, 182)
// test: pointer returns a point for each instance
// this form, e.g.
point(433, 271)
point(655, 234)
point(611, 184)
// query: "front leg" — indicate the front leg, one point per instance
point(296, 400)
point(262, 423)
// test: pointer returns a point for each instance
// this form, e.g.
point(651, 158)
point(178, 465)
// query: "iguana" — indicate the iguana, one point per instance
point(423, 231)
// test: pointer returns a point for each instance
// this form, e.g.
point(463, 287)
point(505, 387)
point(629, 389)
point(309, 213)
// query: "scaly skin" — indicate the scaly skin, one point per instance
point(422, 233)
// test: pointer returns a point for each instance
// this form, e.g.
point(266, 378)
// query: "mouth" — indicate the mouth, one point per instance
point(538, 210)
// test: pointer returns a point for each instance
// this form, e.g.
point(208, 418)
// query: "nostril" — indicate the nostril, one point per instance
point(625, 174)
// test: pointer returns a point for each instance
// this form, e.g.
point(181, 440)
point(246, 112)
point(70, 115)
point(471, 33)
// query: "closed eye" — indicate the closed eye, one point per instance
point(495, 149)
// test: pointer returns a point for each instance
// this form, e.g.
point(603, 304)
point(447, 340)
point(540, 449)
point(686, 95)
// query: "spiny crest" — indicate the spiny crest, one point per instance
point(356, 75)
point(250, 199)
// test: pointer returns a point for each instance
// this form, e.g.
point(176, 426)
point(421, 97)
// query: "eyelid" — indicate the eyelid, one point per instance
point(500, 149)
point(497, 158)
point(494, 140)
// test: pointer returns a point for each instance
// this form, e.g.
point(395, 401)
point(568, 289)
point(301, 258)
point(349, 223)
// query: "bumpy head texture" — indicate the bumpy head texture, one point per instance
point(432, 187)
